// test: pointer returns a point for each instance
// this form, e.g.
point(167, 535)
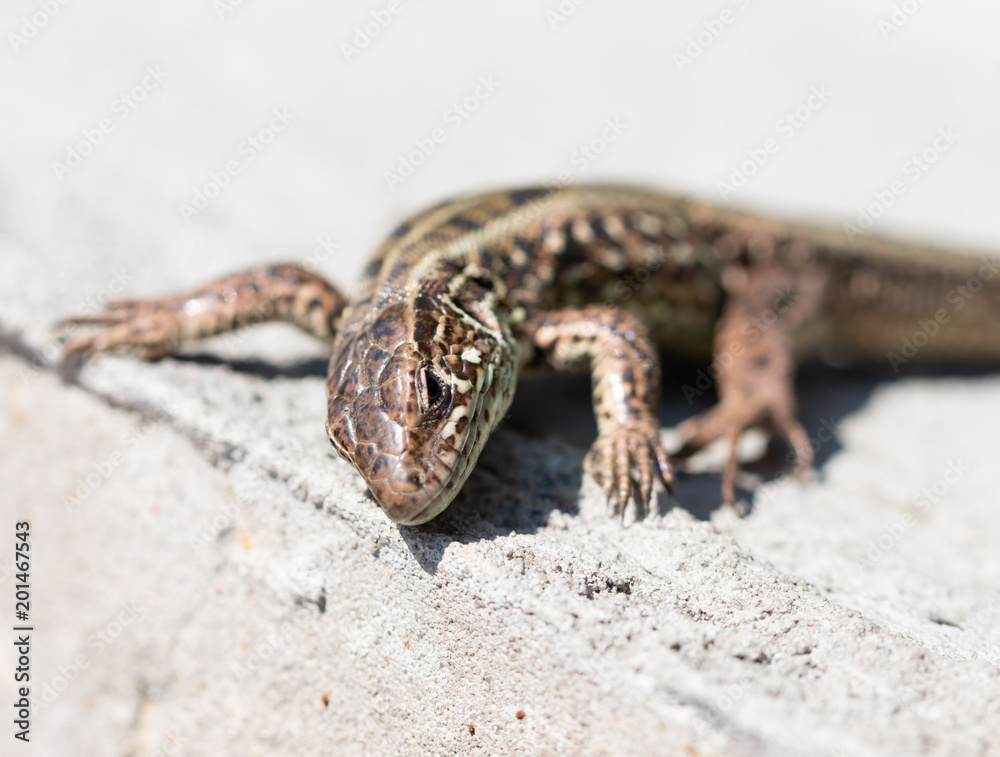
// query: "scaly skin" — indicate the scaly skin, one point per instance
point(464, 296)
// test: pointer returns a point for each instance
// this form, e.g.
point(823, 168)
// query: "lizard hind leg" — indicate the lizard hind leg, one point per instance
point(754, 370)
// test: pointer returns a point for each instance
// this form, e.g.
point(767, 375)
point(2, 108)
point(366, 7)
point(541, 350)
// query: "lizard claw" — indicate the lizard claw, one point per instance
point(628, 457)
point(725, 421)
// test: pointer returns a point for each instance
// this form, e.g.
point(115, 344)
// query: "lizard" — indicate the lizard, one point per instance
point(463, 298)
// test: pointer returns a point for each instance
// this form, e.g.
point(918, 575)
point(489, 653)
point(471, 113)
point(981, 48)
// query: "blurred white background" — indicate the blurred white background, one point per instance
point(695, 85)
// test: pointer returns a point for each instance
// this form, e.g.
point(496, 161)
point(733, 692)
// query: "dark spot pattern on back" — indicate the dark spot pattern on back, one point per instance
point(401, 230)
point(524, 196)
point(572, 251)
point(464, 222)
point(525, 243)
point(373, 268)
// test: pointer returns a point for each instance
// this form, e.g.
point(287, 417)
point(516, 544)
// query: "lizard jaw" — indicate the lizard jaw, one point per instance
point(421, 480)
point(411, 508)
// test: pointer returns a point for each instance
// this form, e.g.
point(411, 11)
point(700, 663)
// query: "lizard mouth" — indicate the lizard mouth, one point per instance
point(414, 485)
point(407, 511)
point(412, 472)
point(410, 494)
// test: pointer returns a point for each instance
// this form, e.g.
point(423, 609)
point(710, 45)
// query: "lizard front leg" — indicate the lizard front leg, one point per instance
point(754, 366)
point(156, 327)
point(615, 345)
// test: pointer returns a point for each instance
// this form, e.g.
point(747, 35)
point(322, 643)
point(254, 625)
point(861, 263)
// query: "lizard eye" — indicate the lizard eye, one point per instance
point(485, 282)
point(432, 389)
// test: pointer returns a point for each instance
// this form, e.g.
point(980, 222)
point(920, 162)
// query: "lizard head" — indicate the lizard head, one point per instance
point(413, 395)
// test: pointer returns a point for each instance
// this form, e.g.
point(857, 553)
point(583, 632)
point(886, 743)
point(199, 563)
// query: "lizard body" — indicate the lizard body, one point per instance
point(464, 296)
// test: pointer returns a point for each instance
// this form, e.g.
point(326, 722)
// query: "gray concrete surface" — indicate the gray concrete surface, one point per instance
point(207, 579)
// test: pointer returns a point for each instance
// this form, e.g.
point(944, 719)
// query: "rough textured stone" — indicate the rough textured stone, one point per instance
point(208, 579)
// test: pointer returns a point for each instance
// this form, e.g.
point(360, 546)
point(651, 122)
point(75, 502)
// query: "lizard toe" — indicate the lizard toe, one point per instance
point(626, 463)
point(725, 422)
point(150, 335)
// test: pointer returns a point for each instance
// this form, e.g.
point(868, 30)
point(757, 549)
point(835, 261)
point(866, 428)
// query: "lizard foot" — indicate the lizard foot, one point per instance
point(149, 328)
point(627, 456)
point(728, 420)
